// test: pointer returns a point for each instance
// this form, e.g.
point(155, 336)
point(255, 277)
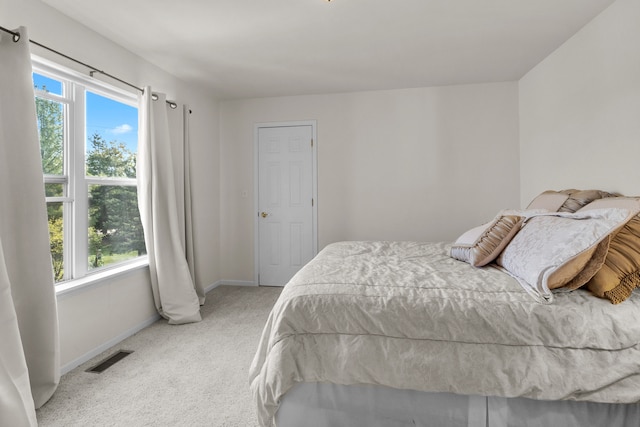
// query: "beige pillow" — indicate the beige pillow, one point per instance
point(549, 200)
point(481, 245)
point(620, 274)
point(561, 249)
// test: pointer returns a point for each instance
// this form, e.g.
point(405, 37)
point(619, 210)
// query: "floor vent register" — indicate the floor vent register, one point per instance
point(109, 361)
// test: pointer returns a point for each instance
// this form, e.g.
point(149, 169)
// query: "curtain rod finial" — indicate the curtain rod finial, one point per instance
point(15, 34)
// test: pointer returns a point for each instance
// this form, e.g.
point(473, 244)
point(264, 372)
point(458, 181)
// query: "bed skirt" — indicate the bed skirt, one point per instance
point(324, 405)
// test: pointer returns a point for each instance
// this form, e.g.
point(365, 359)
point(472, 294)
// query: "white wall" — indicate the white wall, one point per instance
point(92, 317)
point(414, 164)
point(580, 109)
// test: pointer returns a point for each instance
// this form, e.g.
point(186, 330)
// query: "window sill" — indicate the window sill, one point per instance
point(97, 278)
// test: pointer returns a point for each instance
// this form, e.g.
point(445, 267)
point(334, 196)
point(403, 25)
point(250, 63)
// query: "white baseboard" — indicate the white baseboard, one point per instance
point(212, 286)
point(107, 345)
point(236, 282)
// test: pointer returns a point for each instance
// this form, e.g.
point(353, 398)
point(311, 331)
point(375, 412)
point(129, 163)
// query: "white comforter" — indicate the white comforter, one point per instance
point(406, 315)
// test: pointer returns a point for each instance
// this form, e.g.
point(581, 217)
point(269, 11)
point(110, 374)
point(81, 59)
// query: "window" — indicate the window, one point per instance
point(88, 140)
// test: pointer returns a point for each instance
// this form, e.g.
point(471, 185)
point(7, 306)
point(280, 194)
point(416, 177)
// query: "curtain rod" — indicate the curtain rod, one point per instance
point(16, 38)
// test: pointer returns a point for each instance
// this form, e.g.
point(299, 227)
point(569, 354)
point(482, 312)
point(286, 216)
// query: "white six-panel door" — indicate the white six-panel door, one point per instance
point(285, 202)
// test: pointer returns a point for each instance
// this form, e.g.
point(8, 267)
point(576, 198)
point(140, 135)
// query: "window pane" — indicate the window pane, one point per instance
point(56, 239)
point(115, 231)
point(51, 128)
point(47, 84)
point(112, 131)
point(54, 190)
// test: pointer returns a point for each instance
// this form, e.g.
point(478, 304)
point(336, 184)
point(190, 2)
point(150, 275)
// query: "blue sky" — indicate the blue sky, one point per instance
point(111, 119)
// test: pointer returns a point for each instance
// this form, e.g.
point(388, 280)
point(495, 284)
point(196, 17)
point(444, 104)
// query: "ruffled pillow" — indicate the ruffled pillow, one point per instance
point(481, 245)
point(620, 274)
point(567, 200)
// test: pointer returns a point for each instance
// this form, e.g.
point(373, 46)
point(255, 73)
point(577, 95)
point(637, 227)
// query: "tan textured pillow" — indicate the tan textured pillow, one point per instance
point(577, 271)
point(481, 245)
point(620, 274)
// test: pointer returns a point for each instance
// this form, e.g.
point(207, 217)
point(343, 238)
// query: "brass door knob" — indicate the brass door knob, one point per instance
point(264, 214)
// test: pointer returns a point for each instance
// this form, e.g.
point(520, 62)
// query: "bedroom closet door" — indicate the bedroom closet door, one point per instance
point(286, 206)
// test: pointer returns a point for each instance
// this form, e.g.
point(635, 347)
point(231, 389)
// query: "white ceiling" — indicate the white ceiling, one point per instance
point(258, 48)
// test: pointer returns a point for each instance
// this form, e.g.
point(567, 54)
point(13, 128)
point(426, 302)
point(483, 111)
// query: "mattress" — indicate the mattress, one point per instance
point(406, 315)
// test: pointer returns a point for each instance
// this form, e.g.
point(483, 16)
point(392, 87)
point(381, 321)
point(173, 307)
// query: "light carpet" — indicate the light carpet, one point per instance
point(187, 375)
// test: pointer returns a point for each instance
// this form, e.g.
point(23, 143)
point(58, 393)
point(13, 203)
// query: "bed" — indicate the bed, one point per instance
point(402, 333)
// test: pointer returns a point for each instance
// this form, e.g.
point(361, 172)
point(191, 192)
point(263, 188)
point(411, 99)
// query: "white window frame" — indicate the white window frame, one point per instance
point(76, 200)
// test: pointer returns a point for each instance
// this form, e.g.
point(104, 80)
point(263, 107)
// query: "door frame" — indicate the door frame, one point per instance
point(256, 188)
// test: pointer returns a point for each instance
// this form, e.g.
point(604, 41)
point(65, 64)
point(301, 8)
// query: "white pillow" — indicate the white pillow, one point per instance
point(551, 250)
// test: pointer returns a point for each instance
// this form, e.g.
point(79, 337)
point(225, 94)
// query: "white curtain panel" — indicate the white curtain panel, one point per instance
point(179, 128)
point(188, 225)
point(161, 199)
point(29, 350)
